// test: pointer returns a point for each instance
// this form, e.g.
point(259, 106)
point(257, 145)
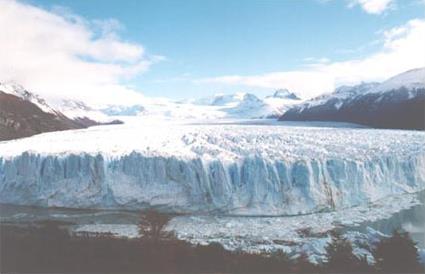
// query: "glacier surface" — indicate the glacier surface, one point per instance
point(278, 169)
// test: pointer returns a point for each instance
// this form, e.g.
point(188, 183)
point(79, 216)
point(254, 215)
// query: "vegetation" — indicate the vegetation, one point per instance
point(397, 253)
point(48, 247)
point(152, 225)
point(340, 256)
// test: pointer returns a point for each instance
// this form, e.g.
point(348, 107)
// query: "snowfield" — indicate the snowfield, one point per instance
point(242, 169)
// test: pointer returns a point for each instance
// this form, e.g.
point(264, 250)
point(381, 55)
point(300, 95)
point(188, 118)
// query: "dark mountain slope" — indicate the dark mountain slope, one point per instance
point(392, 110)
point(21, 118)
point(397, 103)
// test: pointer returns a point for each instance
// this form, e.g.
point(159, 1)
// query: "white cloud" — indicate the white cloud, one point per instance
point(322, 60)
point(57, 52)
point(402, 49)
point(372, 6)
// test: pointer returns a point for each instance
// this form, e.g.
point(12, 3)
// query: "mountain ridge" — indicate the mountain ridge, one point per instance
point(23, 114)
point(398, 103)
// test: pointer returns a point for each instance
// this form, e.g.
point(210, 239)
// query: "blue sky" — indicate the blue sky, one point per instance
point(202, 43)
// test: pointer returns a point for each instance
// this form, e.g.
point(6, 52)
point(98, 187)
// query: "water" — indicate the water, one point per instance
point(124, 223)
point(411, 220)
point(28, 214)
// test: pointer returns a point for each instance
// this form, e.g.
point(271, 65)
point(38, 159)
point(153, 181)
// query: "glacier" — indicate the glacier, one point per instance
point(260, 170)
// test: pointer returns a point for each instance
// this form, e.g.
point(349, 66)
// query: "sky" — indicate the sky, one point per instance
point(118, 51)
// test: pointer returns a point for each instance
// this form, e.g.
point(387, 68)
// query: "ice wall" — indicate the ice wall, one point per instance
point(252, 185)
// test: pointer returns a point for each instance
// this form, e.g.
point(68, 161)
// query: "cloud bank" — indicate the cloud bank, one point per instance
point(372, 6)
point(59, 53)
point(402, 49)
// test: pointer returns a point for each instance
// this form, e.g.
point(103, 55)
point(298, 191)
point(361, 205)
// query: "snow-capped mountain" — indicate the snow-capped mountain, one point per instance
point(19, 91)
point(337, 98)
point(23, 113)
point(221, 99)
point(281, 101)
point(284, 94)
point(243, 105)
point(82, 113)
point(398, 102)
point(269, 107)
point(122, 110)
point(411, 80)
point(247, 105)
point(238, 105)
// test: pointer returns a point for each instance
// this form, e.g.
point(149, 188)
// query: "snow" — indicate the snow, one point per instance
point(411, 80)
point(287, 141)
point(280, 105)
point(72, 109)
point(221, 99)
point(340, 95)
point(79, 110)
point(20, 91)
point(284, 94)
point(122, 110)
point(280, 168)
point(166, 109)
point(246, 105)
point(239, 105)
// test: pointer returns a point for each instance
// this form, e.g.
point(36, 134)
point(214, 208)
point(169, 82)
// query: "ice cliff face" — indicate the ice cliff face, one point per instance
point(259, 170)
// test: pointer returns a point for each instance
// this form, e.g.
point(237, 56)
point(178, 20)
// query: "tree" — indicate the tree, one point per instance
point(303, 264)
point(152, 225)
point(397, 253)
point(282, 260)
point(340, 256)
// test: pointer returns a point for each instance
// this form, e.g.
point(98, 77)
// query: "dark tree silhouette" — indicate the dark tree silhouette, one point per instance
point(152, 225)
point(397, 253)
point(47, 248)
point(340, 256)
point(282, 260)
point(303, 265)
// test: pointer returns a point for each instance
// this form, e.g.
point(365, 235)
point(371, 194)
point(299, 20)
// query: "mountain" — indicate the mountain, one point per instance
point(23, 113)
point(228, 100)
point(122, 110)
point(281, 101)
point(19, 91)
point(243, 105)
point(239, 105)
point(23, 118)
point(81, 113)
point(396, 103)
point(247, 105)
point(284, 94)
